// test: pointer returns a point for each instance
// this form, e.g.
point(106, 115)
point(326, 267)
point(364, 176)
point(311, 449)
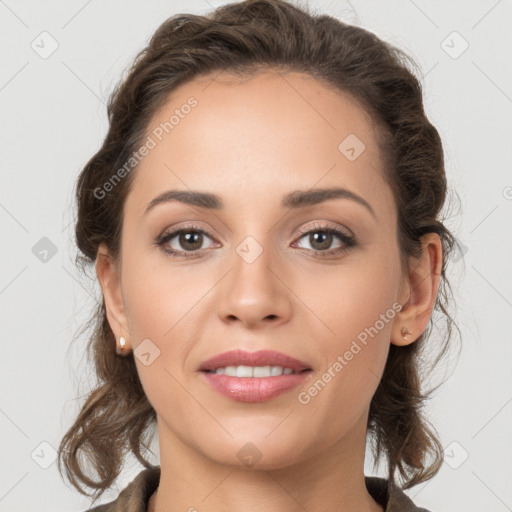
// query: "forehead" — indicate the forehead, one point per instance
point(272, 131)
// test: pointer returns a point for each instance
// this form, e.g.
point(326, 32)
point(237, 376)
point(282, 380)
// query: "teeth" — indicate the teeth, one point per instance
point(253, 371)
point(244, 371)
point(262, 371)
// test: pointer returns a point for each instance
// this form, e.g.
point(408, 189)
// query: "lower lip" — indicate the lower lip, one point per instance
point(255, 389)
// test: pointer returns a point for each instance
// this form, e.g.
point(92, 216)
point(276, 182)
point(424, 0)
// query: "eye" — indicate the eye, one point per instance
point(321, 240)
point(186, 241)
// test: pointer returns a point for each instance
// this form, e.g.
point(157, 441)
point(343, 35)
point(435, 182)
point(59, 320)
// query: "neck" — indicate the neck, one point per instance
point(330, 481)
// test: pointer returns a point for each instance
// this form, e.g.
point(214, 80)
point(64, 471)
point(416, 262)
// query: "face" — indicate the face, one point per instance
point(262, 266)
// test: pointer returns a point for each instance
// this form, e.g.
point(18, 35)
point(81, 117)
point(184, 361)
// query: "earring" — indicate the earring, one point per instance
point(121, 349)
point(405, 333)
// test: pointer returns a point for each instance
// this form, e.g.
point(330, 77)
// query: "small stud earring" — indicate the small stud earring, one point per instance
point(121, 350)
point(405, 333)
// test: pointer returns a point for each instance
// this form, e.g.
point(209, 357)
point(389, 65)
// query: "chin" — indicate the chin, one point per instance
point(257, 452)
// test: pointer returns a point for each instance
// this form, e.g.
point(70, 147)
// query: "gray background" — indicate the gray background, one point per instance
point(53, 120)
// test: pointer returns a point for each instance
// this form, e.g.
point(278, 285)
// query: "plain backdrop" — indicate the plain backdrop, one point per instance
point(60, 61)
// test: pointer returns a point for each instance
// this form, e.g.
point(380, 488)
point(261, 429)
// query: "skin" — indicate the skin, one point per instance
point(251, 142)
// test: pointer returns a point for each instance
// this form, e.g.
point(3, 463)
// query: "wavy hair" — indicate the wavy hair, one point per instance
point(242, 38)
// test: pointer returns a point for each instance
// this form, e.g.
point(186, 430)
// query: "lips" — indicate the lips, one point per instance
point(260, 358)
point(254, 389)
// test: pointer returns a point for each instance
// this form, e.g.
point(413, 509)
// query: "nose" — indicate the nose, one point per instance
point(254, 293)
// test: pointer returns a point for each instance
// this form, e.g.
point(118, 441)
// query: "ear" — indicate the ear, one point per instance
point(109, 276)
point(419, 292)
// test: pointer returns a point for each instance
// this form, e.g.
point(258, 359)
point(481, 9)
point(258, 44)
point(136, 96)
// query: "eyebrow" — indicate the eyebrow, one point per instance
point(293, 200)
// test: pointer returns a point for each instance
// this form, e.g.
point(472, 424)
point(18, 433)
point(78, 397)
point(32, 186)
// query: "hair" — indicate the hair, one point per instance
point(242, 38)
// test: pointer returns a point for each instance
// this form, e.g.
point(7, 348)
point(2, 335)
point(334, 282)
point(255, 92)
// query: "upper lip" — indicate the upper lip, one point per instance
point(259, 358)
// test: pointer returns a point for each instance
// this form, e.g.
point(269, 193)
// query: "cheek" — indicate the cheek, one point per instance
point(160, 308)
point(356, 306)
point(158, 300)
point(351, 299)
point(353, 362)
point(168, 308)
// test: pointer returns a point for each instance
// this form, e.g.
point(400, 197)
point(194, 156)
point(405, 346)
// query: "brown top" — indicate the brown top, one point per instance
point(135, 496)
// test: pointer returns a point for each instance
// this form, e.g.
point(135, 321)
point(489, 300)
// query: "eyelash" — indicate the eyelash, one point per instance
point(164, 238)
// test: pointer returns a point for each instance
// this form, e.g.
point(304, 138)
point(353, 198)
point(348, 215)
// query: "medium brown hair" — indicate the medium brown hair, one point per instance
point(243, 38)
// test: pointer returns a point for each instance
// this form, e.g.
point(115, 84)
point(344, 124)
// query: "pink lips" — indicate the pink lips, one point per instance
point(260, 358)
point(254, 389)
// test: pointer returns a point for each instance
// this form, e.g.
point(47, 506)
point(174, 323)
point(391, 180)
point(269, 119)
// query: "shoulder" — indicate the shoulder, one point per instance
point(135, 496)
point(391, 497)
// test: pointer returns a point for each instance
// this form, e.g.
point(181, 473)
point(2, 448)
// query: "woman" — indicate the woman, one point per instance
point(264, 219)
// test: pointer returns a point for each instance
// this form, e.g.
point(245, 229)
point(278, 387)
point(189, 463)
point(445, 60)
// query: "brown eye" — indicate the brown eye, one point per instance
point(321, 240)
point(190, 240)
point(183, 242)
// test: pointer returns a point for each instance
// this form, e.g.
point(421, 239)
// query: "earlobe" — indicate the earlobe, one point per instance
point(109, 277)
point(423, 284)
